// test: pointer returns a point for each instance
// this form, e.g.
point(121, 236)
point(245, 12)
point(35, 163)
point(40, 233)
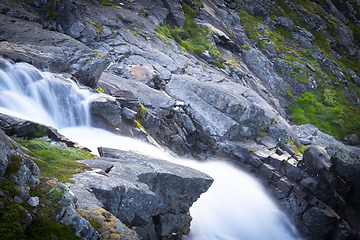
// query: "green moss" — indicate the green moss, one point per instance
point(141, 113)
point(289, 95)
point(302, 148)
point(95, 224)
point(195, 5)
point(328, 110)
point(8, 187)
point(139, 125)
point(14, 166)
point(143, 11)
point(298, 150)
point(50, 9)
point(10, 216)
point(97, 53)
point(262, 135)
point(245, 47)
point(44, 226)
point(100, 90)
point(97, 27)
point(56, 162)
point(192, 36)
point(250, 22)
point(106, 3)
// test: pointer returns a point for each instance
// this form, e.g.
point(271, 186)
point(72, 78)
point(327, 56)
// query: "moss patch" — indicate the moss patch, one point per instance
point(44, 225)
point(192, 36)
point(328, 110)
point(54, 161)
point(14, 165)
point(10, 217)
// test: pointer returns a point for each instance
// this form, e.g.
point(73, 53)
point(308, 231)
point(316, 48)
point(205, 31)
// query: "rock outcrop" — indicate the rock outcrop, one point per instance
point(151, 196)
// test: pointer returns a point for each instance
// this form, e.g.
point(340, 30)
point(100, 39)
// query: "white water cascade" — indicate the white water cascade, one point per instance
point(234, 208)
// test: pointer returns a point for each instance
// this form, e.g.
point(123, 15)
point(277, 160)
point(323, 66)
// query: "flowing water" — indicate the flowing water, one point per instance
point(235, 207)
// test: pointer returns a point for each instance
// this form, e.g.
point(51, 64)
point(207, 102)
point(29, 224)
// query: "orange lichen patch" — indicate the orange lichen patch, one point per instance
point(141, 74)
point(104, 222)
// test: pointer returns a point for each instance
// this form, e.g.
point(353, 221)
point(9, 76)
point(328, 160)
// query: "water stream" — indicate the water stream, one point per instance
point(235, 207)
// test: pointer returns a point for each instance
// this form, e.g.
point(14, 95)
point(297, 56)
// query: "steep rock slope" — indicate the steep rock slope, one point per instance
point(224, 88)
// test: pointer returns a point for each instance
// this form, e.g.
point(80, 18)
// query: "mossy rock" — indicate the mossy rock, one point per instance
point(104, 222)
point(14, 165)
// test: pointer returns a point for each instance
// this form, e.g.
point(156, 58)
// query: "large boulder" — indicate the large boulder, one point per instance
point(151, 196)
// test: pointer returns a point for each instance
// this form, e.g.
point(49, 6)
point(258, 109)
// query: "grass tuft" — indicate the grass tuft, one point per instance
point(54, 161)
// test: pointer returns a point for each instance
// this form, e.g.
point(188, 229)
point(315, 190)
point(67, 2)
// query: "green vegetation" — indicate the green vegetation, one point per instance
point(14, 165)
point(54, 161)
point(328, 110)
point(8, 188)
point(192, 37)
point(289, 95)
point(10, 217)
point(143, 11)
point(100, 90)
point(44, 225)
point(96, 52)
point(13, 215)
point(245, 47)
point(106, 3)
point(326, 107)
point(296, 149)
point(97, 27)
point(141, 113)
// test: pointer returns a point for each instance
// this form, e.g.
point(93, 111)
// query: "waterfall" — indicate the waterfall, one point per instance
point(235, 207)
point(42, 97)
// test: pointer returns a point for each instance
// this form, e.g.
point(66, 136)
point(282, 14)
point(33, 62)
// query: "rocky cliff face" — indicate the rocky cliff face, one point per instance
point(232, 91)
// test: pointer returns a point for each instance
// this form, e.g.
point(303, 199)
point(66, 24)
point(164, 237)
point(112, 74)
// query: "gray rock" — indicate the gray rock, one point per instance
point(319, 221)
point(308, 65)
point(28, 129)
point(129, 93)
point(317, 158)
point(70, 217)
point(303, 40)
point(337, 13)
point(286, 23)
point(297, 64)
point(106, 113)
point(206, 56)
point(128, 113)
point(33, 201)
point(177, 14)
point(138, 189)
point(45, 50)
point(25, 170)
point(346, 36)
point(268, 142)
